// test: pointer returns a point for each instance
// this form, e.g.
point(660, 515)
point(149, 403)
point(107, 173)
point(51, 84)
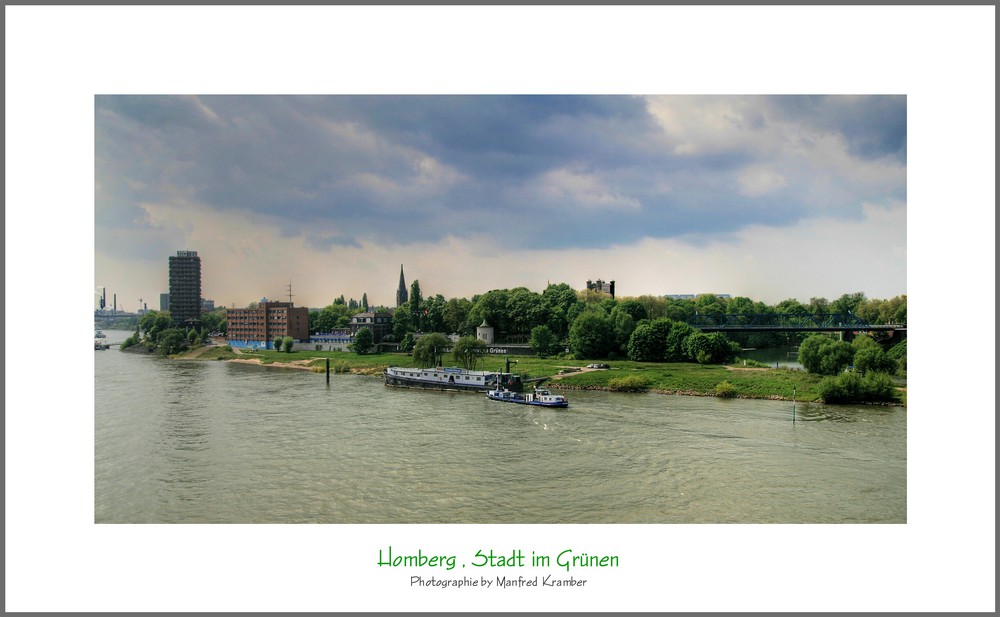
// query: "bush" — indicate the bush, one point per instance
point(872, 359)
point(725, 389)
point(364, 341)
point(287, 343)
point(898, 354)
point(854, 388)
point(823, 355)
point(631, 383)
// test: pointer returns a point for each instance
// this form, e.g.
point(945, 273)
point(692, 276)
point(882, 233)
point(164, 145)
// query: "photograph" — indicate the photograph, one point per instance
point(500, 308)
point(694, 308)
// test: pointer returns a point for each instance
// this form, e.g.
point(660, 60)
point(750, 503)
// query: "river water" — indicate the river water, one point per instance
point(216, 442)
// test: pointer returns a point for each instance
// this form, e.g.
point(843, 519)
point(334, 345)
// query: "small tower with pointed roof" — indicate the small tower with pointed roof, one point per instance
point(485, 332)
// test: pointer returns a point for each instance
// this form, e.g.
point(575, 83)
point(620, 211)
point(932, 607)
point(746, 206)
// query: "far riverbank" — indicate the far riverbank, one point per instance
point(737, 380)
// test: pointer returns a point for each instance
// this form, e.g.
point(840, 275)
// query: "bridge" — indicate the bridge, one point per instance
point(779, 322)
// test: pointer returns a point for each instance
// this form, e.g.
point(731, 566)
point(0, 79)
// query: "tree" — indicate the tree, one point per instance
point(492, 308)
point(674, 349)
point(406, 344)
point(214, 321)
point(557, 300)
point(433, 313)
point(635, 309)
point(454, 314)
point(543, 341)
point(525, 310)
point(364, 340)
point(278, 340)
point(591, 336)
point(402, 321)
point(714, 348)
point(287, 343)
point(644, 345)
point(898, 354)
point(416, 300)
point(825, 356)
point(171, 341)
point(429, 348)
point(622, 326)
point(847, 303)
point(872, 359)
point(364, 302)
point(468, 350)
point(192, 336)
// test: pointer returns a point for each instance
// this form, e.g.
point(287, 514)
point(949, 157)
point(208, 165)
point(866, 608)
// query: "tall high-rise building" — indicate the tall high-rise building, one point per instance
point(401, 294)
point(185, 287)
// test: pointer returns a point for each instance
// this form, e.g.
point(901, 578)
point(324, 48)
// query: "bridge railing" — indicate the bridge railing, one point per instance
point(751, 321)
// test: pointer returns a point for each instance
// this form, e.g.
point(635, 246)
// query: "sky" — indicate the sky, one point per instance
point(770, 197)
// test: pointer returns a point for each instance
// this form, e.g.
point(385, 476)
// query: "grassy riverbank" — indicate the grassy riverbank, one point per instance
point(734, 381)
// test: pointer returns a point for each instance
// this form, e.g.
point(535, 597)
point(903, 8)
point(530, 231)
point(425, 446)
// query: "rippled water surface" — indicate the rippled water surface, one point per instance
point(212, 442)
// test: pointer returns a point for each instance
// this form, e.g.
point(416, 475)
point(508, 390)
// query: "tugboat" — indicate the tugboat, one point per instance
point(538, 397)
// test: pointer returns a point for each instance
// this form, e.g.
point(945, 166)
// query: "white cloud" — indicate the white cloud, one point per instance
point(759, 180)
point(568, 188)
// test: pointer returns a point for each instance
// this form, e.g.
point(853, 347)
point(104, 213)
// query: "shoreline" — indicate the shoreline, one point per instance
point(346, 366)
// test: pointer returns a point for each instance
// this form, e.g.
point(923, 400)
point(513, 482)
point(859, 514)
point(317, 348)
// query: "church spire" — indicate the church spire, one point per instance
point(401, 294)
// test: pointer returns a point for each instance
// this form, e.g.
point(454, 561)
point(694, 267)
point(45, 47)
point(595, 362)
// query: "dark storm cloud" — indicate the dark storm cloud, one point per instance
point(394, 169)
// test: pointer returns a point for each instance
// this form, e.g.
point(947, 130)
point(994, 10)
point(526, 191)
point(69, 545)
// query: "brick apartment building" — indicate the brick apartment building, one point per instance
point(258, 327)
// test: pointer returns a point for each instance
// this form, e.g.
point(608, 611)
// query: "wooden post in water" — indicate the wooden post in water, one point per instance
point(328, 371)
point(793, 404)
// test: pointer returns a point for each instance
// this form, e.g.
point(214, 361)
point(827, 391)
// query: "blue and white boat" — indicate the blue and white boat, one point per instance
point(538, 397)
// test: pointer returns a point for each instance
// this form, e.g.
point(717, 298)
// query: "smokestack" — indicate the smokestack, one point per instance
point(115, 296)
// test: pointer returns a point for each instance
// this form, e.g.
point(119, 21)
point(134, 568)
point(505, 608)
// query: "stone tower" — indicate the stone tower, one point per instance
point(401, 294)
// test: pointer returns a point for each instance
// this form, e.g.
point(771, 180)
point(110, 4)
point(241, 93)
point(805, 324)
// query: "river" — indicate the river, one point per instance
point(217, 442)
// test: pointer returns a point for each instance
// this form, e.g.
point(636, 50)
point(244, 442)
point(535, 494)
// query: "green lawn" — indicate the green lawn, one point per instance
point(686, 378)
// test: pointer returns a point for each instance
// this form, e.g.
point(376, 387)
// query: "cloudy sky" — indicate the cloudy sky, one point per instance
point(770, 197)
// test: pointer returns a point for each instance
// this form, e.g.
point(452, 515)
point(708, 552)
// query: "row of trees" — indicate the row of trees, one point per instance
point(514, 313)
point(826, 355)
point(157, 332)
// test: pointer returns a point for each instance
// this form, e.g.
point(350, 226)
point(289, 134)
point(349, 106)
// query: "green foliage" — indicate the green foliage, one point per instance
point(287, 343)
point(634, 308)
point(622, 326)
point(714, 348)
point(675, 349)
point(852, 387)
point(429, 348)
point(629, 383)
point(725, 390)
point(591, 336)
point(171, 341)
point(214, 321)
point(823, 355)
point(406, 344)
point(468, 350)
point(544, 342)
point(402, 322)
point(193, 336)
point(364, 341)
point(871, 359)
point(129, 342)
point(643, 345)
point(898, 354)
point(278, 340)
